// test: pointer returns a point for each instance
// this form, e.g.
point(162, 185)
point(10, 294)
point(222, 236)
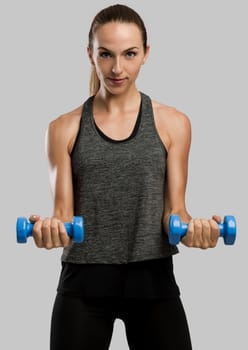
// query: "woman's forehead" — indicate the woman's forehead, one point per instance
point(118, 33)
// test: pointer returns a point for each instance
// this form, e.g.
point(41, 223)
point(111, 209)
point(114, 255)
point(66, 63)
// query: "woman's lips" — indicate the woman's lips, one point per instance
point(117, 81)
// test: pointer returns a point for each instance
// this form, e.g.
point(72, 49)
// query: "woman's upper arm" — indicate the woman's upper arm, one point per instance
point(179, 131)
point(59, 134)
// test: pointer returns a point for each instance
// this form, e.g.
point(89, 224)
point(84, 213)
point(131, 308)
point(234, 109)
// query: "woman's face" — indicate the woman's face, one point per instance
point(117, 53)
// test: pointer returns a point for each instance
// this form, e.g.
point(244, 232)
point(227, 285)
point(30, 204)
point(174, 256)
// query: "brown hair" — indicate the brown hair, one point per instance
point(114, 13)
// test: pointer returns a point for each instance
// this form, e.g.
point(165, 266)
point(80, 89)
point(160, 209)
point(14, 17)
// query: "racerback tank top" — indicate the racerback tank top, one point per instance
point(119, 191)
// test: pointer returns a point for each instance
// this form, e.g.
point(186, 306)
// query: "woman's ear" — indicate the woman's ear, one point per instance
point(89, 52)
point(146, 54)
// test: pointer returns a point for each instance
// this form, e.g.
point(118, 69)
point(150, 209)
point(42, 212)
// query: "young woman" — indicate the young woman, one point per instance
point(120, 160)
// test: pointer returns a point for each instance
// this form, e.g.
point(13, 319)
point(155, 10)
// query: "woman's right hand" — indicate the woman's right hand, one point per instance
point(49, 233)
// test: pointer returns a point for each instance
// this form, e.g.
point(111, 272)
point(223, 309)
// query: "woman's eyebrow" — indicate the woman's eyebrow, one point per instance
point(105, 49)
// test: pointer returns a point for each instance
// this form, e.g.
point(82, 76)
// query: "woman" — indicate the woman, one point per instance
point(120, 160)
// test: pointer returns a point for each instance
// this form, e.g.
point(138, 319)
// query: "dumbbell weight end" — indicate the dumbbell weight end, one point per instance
point(228, 229)
point(24, 229)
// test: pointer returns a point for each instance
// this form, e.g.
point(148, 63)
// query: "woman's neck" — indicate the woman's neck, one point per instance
point(114, 103)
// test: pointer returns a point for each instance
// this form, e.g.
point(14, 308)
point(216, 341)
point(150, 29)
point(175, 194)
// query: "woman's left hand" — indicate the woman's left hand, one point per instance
point(202, 233)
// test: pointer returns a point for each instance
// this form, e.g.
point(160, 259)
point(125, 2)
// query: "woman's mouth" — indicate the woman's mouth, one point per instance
point(116, 81)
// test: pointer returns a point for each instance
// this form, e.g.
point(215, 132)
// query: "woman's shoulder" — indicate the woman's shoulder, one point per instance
point(65, 127)
point(68, 119)
point(169, 113)
point(171, 123)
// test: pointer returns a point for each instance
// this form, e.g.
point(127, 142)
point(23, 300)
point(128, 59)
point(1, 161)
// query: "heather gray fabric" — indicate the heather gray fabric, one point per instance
point(119, 190)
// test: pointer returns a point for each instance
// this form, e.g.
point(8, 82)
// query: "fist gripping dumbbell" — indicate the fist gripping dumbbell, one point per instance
point(177, 229)
point(75, 229)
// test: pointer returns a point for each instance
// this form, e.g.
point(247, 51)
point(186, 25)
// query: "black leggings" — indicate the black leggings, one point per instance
point(87, 323)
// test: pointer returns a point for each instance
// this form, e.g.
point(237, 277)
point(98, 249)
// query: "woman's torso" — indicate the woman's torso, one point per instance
point(119, 190)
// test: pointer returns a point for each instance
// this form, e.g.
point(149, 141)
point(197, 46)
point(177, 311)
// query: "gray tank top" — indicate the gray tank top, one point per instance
point(119, 191)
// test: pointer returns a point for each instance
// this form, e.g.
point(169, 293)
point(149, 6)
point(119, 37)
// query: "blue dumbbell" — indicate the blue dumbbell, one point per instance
point(177, 229)
point(75, 229)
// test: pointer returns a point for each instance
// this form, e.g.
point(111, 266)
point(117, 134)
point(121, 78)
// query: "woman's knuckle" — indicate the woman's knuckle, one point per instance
point(190, 231)
point(197, 222)
point(197, 245)
point(54, 227)
point(48, 246)
point(38, 244)
point(64, 236)
point(198, 227)
point(205, 225)
point(65, 240)
point(66, 244)
point(57, 245)
point(205, 246)
point(188, 241)
point(45, 226)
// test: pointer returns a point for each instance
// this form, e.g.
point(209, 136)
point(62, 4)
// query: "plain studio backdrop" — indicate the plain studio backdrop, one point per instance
point(198, 63)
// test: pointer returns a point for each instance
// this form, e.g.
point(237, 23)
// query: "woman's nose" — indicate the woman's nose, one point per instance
point(117, 67)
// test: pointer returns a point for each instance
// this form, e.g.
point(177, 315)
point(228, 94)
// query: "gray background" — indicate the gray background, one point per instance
point(198, 63)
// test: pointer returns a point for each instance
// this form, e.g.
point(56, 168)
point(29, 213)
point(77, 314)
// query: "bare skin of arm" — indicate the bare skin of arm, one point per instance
point(175, 132)
point(60, 137)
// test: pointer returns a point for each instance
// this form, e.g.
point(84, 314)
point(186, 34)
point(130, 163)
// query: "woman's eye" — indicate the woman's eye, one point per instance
point(131, 54)
point(105, 54)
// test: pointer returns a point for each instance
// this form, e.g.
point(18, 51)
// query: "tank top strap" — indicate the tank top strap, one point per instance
point(147, 110)
point(148, 130)
point(147, 125)
point(87, 111)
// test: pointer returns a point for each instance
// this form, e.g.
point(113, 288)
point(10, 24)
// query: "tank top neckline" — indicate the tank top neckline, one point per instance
point(109, 139)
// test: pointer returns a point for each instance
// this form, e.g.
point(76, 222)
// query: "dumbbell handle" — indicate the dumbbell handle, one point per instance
point(74, 229)
point(178, 229)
